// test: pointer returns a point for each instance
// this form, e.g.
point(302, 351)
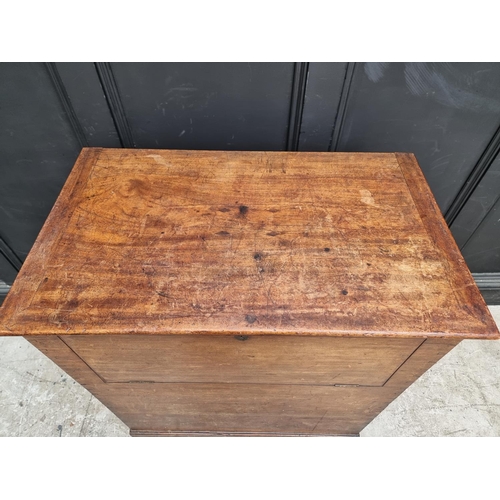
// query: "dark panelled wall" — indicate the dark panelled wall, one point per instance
point(37, 148)
point(448, 114)
point(205, 106)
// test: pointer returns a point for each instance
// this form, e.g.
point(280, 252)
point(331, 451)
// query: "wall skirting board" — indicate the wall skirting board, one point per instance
point(3, 291)
point(489, 284)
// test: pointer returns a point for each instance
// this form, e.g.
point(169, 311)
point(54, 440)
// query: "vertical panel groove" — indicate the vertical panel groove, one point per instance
point(115, 105)
point(341, 113)
point(299, 84)
point(10, 255)
point(473, 180)
point(481, 222)
point(66, 103)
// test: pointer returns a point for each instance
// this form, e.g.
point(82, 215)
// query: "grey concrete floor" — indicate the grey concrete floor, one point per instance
point(459, 396)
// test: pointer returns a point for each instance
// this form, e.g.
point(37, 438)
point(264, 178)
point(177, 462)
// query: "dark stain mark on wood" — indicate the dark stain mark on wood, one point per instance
point(138, 187)
point(251, 318)
point(272, 233)
point(326, 249)
point(223, 233)
point(344, 292)
point(292, 393)
point(243, 209)
point(72, 304)
point(241, 337)
point(257, 256)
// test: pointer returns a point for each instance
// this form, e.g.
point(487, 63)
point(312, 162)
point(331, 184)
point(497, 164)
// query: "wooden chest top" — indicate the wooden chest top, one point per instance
point(162, 242)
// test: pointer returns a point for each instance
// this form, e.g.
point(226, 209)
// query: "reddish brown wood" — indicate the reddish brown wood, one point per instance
point(260, 359)
point(468, 296)
point(161, 242)
point(428, 353)
point(338, 268)
point(243, 409)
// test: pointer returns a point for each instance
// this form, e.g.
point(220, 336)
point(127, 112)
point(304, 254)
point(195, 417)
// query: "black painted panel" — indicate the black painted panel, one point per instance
point(482, 252)
point(37, 150)
point(7, 272)
point(9, 263)
point(89, 103)
point(444, 113)
point(480, 202)
point(324, 86)
point(234, 106)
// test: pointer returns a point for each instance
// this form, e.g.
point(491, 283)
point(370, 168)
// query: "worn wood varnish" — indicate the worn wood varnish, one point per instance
point(198, 292)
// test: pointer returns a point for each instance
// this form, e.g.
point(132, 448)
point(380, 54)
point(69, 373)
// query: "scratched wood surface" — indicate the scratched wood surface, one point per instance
point(161, 242)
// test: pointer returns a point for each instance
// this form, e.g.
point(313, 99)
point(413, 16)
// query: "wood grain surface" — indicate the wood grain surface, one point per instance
point(243, 409)
point(258, 359)
point(281, 293)
point(182, 242)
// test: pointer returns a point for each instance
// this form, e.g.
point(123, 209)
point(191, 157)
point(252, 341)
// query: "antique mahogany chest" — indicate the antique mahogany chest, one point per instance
point(245, 293)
